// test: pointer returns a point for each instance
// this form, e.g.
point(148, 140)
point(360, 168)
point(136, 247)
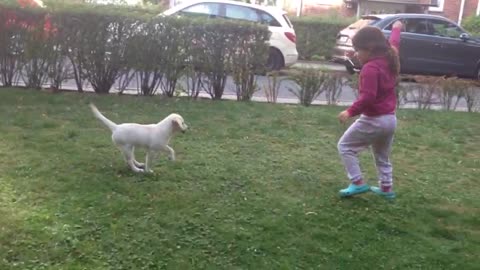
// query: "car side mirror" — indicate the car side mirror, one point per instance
point(464, 36)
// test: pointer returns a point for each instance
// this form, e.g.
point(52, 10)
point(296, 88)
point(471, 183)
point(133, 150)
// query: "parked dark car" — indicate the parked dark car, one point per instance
point(430, 45)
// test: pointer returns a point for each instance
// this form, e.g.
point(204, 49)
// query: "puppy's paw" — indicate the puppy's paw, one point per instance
point(149, 171)
point(145, 171)
point(171, 158)
point(141, 165)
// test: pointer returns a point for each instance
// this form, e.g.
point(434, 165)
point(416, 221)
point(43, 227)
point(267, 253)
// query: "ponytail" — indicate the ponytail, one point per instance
point(393, 61)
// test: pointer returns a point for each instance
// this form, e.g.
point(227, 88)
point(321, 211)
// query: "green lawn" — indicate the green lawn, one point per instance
point(254, 187)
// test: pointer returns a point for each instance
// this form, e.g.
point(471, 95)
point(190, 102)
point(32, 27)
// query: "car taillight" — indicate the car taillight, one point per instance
point(291, 36)
point(343, 39)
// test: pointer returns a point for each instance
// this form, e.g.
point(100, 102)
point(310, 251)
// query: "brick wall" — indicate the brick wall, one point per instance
point(324, 10)
point(470, 8)
point(317, 7)
point(451, 9)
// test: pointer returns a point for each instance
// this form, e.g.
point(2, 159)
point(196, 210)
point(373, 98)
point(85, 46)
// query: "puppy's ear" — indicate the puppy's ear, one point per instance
point(175, 123)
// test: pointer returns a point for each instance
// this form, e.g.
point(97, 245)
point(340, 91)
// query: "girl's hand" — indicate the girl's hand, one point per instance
point(397, 24)
point(343, 117)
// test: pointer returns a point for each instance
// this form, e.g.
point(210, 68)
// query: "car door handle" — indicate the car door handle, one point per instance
point(437, 44)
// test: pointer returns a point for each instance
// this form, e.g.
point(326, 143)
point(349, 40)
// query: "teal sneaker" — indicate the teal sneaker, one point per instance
point(354, 190)
point(378, 191)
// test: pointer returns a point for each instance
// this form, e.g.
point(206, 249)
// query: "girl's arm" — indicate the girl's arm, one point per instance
point(368, 90)
point(395, 35)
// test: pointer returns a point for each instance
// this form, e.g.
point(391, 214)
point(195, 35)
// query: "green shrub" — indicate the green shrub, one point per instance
point(176, 46)
point(333, 86)
point(310, 84)
point(316, 36)
point(249, 58)
point(272, 88)
point(145, 57)
point(23, 49)
point(11, 47)
point(454, 89)
point(472, 24)
point(103, 50)
point(214, 62)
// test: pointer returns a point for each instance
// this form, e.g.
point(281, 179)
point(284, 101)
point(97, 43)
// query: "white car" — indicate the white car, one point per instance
point(283, 49)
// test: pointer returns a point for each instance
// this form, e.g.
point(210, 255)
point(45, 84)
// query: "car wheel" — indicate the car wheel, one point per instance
point(275, 60)
point(478, 73)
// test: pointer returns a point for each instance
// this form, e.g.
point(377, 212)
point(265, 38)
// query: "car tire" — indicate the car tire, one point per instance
point(478, 74)
point(275, 60)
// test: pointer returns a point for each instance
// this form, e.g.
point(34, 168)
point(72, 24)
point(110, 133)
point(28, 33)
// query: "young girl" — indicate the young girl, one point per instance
point(376, 107)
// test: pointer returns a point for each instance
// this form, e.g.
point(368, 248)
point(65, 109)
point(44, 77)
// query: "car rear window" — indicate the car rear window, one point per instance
point(267, 19)
point(287, 20)
point(362, 23)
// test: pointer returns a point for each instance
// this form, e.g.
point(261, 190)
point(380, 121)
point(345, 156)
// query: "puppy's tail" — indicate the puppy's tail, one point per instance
point(110, 124)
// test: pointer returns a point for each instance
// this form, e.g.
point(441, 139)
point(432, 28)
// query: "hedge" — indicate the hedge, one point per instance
point(102, 45)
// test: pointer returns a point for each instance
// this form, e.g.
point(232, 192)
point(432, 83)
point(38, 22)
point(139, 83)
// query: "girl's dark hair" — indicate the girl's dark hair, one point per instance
point(372, 39)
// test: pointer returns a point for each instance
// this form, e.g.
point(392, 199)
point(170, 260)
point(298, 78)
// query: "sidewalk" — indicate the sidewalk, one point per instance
point(319, 65)
point(285, 95)
point(295, 101)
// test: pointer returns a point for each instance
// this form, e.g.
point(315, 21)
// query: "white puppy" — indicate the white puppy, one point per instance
point(154, 138)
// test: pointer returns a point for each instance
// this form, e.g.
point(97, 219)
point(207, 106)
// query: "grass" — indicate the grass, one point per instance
point(254, 187)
